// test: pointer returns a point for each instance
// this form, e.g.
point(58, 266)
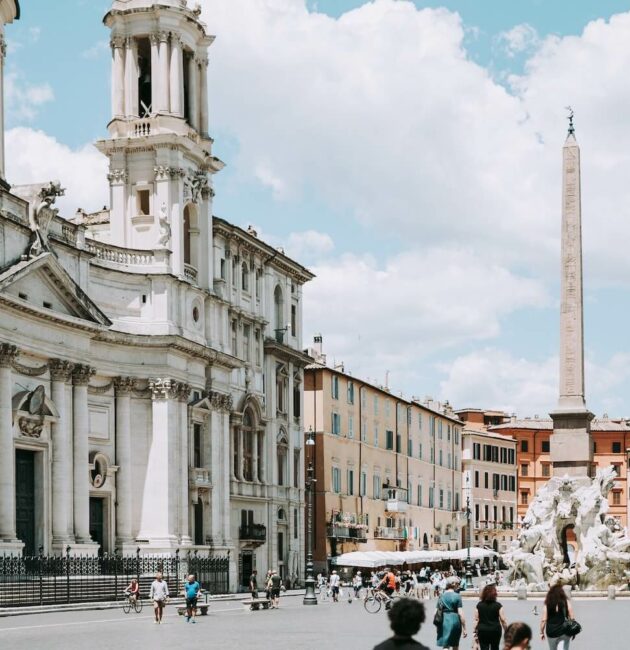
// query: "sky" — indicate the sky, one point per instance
point(409, 153)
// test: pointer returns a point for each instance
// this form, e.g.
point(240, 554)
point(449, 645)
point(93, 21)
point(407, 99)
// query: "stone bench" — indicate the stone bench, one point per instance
point(256, 603)
point(203, 609)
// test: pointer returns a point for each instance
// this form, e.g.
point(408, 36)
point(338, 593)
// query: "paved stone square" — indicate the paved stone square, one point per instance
point(294, 626)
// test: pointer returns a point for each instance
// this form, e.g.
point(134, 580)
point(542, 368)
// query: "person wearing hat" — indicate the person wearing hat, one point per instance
point(453, 624)
point(334, 583)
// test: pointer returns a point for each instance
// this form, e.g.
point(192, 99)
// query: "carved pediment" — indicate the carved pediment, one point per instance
point(45, 284)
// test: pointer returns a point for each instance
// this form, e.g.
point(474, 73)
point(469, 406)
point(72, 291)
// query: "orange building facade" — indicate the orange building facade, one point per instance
point(610, 437)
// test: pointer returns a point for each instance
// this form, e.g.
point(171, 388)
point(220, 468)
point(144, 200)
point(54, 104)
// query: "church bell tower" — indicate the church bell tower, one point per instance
point(160, 154)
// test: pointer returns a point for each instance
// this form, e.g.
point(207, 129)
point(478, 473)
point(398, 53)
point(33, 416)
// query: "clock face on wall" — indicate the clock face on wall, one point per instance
point(36, 402)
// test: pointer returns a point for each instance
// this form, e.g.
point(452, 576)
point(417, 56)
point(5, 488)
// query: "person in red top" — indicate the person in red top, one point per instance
point(133, 590)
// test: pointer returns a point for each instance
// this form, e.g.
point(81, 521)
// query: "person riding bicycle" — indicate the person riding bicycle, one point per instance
point(388, 583)
point(133, 590)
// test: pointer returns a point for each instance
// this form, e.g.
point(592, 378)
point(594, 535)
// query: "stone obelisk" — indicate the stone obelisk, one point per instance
point(571, 444)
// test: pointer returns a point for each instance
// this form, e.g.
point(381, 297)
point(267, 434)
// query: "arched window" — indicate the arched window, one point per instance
point(245, 277)
point(282, 452)
point(278, 302)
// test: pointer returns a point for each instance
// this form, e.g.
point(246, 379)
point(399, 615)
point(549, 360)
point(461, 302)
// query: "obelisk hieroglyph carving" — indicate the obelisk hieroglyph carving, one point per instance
point(571, 445)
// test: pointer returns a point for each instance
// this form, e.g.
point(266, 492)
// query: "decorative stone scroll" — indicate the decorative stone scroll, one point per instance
point(101, 390)
point(28, 370)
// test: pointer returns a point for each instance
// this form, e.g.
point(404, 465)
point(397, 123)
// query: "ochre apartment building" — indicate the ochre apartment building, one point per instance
point(387, 469)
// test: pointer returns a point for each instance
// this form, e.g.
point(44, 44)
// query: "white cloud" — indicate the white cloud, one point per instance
point(34, 33)
point(98, 49)
point(521, 38)
point(309, 245)
point(32, 157)
point(24, 100)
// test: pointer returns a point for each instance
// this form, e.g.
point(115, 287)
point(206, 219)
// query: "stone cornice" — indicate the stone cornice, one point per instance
point(286, 353)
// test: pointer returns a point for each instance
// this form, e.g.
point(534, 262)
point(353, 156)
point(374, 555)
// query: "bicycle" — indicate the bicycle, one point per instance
point(374, 599)
point(130, 603)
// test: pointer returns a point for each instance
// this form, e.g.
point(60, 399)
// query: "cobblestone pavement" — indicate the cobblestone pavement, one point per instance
point(229, 625)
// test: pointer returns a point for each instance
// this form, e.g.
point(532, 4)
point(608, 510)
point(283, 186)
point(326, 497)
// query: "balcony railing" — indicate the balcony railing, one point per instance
point(345, 532)
point(382, 532)
point(253, 533)
point(200, 477)
point(396, 500)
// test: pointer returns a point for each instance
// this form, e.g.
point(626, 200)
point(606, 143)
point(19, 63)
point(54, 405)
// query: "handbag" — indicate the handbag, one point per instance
point(571, 628)
point(438, 619)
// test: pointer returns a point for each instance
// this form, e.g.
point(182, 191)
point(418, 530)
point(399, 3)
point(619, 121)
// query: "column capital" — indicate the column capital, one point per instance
point(176, 39)
point(154, 37)
point(183, 391)
point(162, 388)
point(163, 36)
point(117, 177)
point(220, 401)
point(8, 354)
point(81, 374)
point(117, 42)
point(204, 61)
point(124, 385)
point(60, 370)
point(129, 42)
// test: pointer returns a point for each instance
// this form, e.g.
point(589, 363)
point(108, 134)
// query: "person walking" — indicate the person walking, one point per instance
point(357, 584)
point(275, 584)
point(489, 619)
point(517, 637)
point(453, 624)
point(253, 585)
point(405, 618)
point(158, 593)
point(192, 589)
point(334, 583)
point(557, 610)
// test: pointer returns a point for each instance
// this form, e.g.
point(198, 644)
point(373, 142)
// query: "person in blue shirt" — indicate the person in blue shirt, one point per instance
point(192, 589)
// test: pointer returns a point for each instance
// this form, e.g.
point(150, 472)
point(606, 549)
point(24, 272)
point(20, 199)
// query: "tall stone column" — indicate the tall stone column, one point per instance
point(155, 72)
point(203, 129)
point(164, 105)
point(217, 474)
point(3, 53)
point(124, 483)
point(183, 392)
point(193, 92)
point(160, 499)
point(62, 472)
point(118, 76)
point(80, 378)
point(8, 353)
point(131, 78)
point(176, 79)
point(571, 444)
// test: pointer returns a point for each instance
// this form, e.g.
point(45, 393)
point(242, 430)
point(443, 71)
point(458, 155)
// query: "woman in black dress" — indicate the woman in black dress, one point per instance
point(489, 621)
point(557, 610)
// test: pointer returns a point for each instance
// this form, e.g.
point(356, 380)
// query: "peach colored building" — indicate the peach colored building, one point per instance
point(388, 470)
point(610, 438)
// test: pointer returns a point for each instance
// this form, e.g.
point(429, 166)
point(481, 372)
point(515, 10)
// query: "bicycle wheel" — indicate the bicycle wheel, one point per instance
point(372, 604)
point(138, 605)
point(126, 605)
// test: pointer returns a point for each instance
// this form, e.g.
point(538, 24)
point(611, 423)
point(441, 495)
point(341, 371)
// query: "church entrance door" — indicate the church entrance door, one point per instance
point(97, 523)
point(25, 499)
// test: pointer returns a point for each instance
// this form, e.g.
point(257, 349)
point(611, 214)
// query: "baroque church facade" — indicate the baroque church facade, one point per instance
point(151, 377)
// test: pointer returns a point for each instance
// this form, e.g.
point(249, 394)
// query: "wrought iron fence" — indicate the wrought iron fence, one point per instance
point(57, 579)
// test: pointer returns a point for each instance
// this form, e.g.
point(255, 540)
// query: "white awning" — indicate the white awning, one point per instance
point(375, 559)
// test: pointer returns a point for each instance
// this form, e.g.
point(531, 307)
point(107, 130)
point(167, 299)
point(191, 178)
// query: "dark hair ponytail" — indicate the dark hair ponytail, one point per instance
point(516, 633)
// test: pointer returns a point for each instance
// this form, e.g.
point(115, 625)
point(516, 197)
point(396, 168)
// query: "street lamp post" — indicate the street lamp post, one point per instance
point(309, 596)
point(468, 533)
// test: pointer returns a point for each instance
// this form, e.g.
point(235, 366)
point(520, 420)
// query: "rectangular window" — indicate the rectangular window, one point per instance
point(376, 435)
point(545, 446)
point(222, 269)
point(440, 457)
point(376, 486)
point(431, 497)
point(524, 446)
point(350, 392)
point(524, 470)
point(448, 435)
point(419, 421)
point(375, 405)
point(363, 486)
point(440, 429)
point(616, 447)
point(408, 418)
point(398, 443)
point(257, 347)
point(350, 426)
point(476, 451)
point(449, 500)
point(197, 457)
point(336, 424)
point(389, 440)
point(432, 455)
point(234, 272)
point(545, 469)
point(495, 454)
point(420, 450)
point(419, 494)
point(234, 338)
point(594, 447)
point(296, 468)
point(350, 482)
point(495, 482)
point(336, 480)
point(296, 523)
point(246, 335)
point(511, 514)
point(144, 202)
point(363, 431)
point(504, 482)
point(616, 498)
point(409, 447)
point(476, 512)
point(486, 484)
point(293, 320)
point(335, 387)
point(524, 498)
point(297, 401)
point(363, 398)
point(511, 456)
point(476, 478)
point(512, 483)
point(441, 499)
point(617, 468)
